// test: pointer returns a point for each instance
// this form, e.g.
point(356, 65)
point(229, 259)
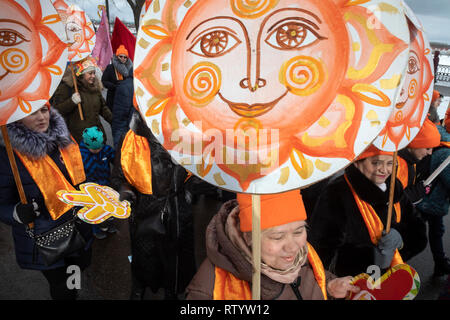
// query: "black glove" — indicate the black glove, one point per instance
point(26, 213)
point(126, 194)
point(416, 192)
point(385, 249)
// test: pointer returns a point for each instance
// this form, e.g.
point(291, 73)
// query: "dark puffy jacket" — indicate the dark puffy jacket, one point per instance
point(437, 201)
point(109, 78)
point(38, 144)
point(123, 109)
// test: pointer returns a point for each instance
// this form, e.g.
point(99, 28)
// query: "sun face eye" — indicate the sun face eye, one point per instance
point(9, 38)
point(292, 35)
point(413, 65)
point(214, 44)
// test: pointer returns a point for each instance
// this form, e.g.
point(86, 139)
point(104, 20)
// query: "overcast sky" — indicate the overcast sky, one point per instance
point(435, 17)
point(434, 14)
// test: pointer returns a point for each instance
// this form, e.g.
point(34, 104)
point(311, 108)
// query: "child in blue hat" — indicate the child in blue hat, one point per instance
point(97, 159)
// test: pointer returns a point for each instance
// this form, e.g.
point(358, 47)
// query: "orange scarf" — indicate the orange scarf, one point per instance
point(118, 75)
point(402, 171)
point(50, 179)
point(445, 144)
point(373, 222)
point(228, 287)
point(136, 162)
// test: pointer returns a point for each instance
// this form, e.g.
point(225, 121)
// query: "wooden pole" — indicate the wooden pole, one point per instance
point(76, 90)
point(256, 247)
point(15, 171)
point(391, 192)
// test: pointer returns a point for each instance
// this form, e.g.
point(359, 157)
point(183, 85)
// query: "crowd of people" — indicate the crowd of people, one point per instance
point(313, 241)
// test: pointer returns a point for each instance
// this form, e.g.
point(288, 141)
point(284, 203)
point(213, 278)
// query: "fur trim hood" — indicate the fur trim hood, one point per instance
point(36, 144)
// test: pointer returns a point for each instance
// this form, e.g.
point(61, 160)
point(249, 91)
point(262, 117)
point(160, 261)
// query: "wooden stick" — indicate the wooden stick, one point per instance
point(15, 171)
point(256, 247)
point(76, 90)
point(391, 192)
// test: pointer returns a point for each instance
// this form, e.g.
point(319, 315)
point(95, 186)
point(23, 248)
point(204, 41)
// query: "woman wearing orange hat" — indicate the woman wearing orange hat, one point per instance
point(435, 205)
point(351, 213)
point(119, 69)
point(414, 163)
point(290, 268)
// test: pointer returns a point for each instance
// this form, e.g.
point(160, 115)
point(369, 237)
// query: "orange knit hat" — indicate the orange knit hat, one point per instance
point(122, 50)
point(372, 151)
point(428, 136)
point(435, 96)
point(276, 209)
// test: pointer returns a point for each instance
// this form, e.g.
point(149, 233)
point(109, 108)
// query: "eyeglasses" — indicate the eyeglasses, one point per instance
point(123, 57)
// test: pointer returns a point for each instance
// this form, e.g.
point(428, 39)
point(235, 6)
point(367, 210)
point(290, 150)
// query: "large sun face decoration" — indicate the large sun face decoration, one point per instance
point(412, 105)
point(79, 29)
point(32, 56)
point(268, 96)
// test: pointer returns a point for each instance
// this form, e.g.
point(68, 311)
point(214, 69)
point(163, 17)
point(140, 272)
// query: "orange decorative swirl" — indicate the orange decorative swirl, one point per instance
point(252, 8)
point(302, 75)
point(399, 116)
point(412, 89)
point(202, 83)
point(14, 60)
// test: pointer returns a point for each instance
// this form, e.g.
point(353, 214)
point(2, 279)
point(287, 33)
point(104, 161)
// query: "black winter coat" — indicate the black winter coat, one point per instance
point(109, 78)
point(161, 226)
point(123, 109)
point(339, 233)
point(36, 145)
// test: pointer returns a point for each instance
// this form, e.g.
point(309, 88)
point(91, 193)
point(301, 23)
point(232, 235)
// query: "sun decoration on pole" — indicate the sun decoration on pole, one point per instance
point(32, 56)
point(79, 28)
point(268, 96)
point(412, 105)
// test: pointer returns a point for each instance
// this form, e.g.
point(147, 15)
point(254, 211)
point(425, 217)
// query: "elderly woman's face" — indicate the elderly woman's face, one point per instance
point(377, 169)
point(38, 121)
point(281, 244)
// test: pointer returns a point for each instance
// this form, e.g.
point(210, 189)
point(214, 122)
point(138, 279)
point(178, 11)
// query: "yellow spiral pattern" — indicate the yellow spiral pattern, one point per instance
point(302, 75)
point(202, 83)
point(252, 9)
point(14, 60)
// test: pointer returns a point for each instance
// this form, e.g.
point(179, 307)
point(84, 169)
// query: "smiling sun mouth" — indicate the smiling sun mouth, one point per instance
point(251, 110)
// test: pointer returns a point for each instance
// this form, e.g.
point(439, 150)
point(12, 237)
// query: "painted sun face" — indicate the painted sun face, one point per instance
point(227, 76)
point(414, 100)
point(304, 73)
point(32, 57)
point(79, 30)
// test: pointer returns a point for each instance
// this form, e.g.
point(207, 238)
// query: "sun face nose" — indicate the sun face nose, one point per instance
point(246, 84)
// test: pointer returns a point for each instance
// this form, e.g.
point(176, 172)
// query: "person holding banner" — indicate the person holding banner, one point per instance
point(48, 160)
point(290, 267)
point(351, 213)
point(89, 94)
point(435, 205)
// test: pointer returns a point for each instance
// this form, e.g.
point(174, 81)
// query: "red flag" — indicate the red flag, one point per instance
point(121, 35)
point(103, 51)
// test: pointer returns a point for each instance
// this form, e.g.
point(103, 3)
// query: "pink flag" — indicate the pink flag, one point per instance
point(103, 50)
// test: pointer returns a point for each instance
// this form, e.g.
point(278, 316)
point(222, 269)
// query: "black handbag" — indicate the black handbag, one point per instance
point(58, 242)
